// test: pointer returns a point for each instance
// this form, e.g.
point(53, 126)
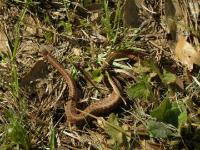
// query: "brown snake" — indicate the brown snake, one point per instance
point(99, 107)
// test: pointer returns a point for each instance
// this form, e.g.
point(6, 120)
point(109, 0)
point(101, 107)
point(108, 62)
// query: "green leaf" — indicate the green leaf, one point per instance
point(170, 113)
point(97, 75)
point(168, 77)
point(182, 118)
point(158, 130)
point(117, 133)
point(160, 111)
point(138, 90)
point(110, 130)
point(141, 89)
point(171, 116)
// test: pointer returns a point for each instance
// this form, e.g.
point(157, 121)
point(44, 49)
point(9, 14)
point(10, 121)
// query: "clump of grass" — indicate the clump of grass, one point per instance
point(14, 133)
point(112, 28)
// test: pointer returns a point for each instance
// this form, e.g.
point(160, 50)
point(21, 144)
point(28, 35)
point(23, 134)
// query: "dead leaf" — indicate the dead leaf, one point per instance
point(174, 18)
point(31, 26)
point(149, 145)
point(179, 83)
point(131, 14)
point(95, 16)
point(94, 7)
point(2, 3)
point(76, 51)
point(4, 45)
point(141, 4)
point(39, 70)
point(194, 9)
point(186, 53)
point(170, 13)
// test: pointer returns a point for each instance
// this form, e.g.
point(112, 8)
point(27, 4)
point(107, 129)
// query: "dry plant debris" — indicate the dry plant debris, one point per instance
point(160, 89)
point(186, 53)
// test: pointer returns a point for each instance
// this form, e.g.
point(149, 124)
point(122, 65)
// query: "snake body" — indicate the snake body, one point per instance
point(97, 108)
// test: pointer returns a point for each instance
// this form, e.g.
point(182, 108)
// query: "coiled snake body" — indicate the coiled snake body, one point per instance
point(99, 107)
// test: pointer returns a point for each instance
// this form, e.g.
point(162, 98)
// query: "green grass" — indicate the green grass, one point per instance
point(112, 29)
point(15, 134)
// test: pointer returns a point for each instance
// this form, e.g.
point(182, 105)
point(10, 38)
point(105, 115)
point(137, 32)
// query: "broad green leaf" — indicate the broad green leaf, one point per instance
point(168, 77)
point(171, 116)
point(158, 130)
point(113, 130)
point(117, 133)
point(138, 90)
point(171, 113)
point(160, 111)
point(141, 89)
point(97, 75)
